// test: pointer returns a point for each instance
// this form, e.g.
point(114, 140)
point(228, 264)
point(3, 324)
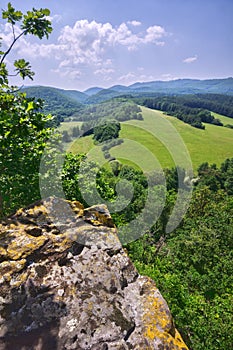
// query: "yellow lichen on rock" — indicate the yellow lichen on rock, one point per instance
point(98, 216)
point(3, 253)
point(64, 273)
point(8, 268)
point(23, 245)
point(77, 207)
point(159, 326)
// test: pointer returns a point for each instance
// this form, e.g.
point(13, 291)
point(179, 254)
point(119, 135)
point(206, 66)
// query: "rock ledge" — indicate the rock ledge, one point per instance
point(71, 285)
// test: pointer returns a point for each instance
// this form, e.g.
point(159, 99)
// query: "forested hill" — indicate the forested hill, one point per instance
point(172, 87)
point(187, 86)
point(187, 94)
point(57, 101)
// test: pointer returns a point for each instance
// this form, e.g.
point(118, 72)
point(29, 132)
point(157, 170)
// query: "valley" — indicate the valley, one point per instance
point(213, 145)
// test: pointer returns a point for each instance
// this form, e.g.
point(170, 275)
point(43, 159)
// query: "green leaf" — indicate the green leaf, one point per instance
point(30, 106)
point(11, 15)
point(23, 68)
point(46, 12)
point(34, 22)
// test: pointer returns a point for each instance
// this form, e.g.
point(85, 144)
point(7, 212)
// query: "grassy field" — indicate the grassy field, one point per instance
point(81, 145)
point(224, 120)
point(213, 145)
point(142, 148)
point(69, 125)
point(86, 145)
point(160, 140)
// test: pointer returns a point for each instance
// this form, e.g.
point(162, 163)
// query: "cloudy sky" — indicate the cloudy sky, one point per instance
point(108, 42)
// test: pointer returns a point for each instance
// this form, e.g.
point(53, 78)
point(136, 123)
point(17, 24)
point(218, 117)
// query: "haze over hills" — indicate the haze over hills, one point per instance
point(179, 86)
point(92, 91)
point(56, 100)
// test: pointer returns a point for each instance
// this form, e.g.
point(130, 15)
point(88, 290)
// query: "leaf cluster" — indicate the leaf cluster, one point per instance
point(34, 22)
point(24, 129)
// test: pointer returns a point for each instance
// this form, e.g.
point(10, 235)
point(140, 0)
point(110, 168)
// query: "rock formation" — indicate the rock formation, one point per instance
point(71, 285)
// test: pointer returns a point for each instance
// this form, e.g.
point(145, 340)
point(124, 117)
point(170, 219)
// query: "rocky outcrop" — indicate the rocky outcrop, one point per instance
point(72, 286)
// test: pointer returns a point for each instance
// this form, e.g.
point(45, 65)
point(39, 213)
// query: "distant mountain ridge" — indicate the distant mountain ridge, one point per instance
point(74, 98)
point(181, 86)
point(92, 91)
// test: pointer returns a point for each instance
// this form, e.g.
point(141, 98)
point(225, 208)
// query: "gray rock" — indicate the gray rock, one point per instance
point(75, 287)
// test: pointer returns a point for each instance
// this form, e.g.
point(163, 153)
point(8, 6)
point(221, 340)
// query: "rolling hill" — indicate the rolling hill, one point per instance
point(72, 99)
point(92, 91)
point(56, 101)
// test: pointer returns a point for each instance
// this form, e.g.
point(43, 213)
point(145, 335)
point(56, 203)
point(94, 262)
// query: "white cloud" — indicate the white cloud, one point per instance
point(6, 34)
point(190, 59)
point(73, 74)
point(134, 23)
point(104, 71)
point(154, 33)
point(168, 77)
point(54, 18)
point(87, 43)
point(131, 77)
point(127, 76)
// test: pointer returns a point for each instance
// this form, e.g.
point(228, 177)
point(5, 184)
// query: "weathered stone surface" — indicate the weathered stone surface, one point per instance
point(72, 286)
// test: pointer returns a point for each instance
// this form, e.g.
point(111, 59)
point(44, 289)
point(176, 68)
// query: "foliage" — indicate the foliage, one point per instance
point(108, 145)
point(66, 136)
point(221, 104)
point(24, 132)
point(33, 22)
point(193, 265)
point(78, 186)
point(106, 131)
point(217, 178)
point(56, 102)
point(24, 129)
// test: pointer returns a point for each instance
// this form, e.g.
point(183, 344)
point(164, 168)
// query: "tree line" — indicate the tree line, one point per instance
point(183, 108)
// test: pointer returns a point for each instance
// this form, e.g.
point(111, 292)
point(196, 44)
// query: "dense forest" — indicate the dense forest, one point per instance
point(55, 101)
point(192, 265)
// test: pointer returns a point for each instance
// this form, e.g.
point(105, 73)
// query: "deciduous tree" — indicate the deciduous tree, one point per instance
point(23, 127)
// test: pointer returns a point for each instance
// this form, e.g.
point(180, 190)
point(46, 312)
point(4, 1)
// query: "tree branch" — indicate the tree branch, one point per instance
point(13, 30)
point(12, 44)
point(13, 75)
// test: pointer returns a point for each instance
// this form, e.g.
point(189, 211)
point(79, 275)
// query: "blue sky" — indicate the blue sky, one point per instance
point(108, 42)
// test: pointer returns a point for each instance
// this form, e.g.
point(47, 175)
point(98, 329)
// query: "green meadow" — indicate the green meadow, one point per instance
point(69, 125)
point(162, 141)
point(224, 120)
